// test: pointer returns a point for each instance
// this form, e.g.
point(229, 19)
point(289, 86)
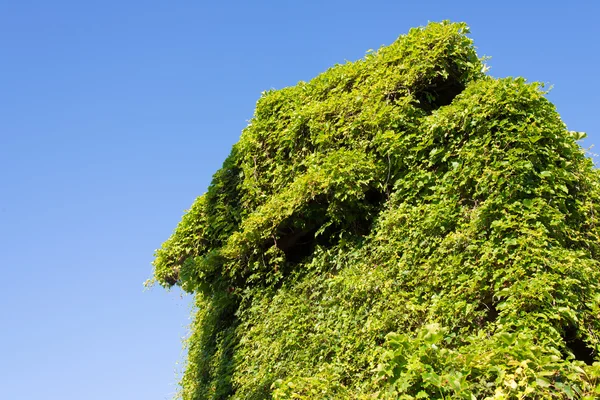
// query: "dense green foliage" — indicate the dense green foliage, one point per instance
point(403, 226)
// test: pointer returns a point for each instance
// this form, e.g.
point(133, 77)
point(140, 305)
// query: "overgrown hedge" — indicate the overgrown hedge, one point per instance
point(403, 226)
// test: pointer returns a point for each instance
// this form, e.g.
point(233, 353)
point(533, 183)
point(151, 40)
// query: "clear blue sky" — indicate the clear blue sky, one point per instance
point(115, 114)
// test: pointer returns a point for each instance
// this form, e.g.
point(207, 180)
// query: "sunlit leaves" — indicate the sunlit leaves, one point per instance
point(398, 227)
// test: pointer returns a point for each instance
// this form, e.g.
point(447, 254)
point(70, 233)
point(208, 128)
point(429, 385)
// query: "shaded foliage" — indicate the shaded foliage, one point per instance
point(403, 226)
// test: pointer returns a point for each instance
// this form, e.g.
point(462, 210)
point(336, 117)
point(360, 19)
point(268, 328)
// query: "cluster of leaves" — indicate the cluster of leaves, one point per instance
point(431, 365)
point(399, 227)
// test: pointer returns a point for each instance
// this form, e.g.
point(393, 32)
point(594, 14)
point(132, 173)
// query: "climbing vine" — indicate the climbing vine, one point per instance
point(402, 226)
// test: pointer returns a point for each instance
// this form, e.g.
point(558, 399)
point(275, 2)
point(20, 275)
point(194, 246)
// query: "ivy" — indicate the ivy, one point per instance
point(403, 226)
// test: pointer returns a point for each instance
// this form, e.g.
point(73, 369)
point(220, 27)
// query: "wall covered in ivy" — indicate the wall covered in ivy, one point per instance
point(403, 226)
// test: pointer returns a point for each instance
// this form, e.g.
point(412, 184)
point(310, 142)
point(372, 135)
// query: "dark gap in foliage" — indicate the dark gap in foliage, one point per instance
point(297, 245)
point(296, 236)
point(439, 93)
point(580, 349)
point(375, 197)
point(363, 225)
point(491, 312)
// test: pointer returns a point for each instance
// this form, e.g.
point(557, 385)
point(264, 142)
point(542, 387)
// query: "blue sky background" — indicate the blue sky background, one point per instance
point(115, 114)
